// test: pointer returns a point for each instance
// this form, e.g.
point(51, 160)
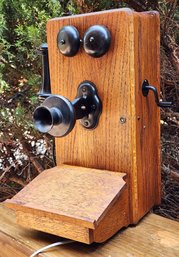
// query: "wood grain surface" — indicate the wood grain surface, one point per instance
point(86, 197)
point(155, 236)
point(43, 222)
point(68, 201)
point(132, 147)
point(147, 135)
point(72, 193)
point(109, 146)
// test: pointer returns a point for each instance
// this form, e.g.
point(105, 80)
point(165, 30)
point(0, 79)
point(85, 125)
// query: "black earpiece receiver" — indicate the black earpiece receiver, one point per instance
point(68, 41)
point(57, 115)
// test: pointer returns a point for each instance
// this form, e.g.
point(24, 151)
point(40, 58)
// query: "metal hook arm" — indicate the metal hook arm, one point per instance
point(45, 88)
point(145, 90)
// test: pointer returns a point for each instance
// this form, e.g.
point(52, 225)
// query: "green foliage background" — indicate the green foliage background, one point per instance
point(22, 30)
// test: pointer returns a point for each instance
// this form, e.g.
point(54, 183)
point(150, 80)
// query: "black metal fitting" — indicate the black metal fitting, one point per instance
point(145, 90)
point(57, 115)
point(68, 41)
point(96, 41)
point(45, 88)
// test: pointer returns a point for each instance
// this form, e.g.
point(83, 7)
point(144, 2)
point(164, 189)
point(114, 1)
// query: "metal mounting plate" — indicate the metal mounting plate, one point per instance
point(87, 89)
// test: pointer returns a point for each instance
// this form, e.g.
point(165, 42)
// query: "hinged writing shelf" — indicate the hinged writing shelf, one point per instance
point(69, 201)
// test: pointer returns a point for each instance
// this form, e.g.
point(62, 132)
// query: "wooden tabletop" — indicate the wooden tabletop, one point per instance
point(154, 236)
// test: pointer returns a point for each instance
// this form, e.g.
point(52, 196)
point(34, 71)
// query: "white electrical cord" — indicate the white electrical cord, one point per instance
point(50, 246)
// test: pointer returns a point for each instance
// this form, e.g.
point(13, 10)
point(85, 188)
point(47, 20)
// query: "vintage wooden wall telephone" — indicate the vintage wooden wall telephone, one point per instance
point(108, 164)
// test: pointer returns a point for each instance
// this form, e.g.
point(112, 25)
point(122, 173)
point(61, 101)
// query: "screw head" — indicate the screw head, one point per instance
point(84, 89)
point(91, 39)
point(86, 123)
point(122, 120)
point(62, 41)
point(83, 107)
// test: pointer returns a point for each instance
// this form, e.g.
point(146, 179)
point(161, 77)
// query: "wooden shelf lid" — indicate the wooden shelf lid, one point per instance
point(69, 193)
